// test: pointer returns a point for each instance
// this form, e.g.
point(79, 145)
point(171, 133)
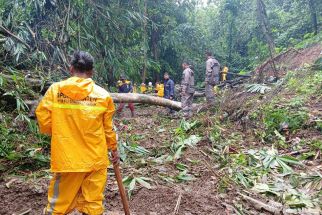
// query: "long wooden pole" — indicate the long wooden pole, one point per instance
point(125, 201)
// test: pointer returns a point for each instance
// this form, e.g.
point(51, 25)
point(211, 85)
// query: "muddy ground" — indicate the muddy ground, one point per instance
point(292, 59)
point(207, 194)
point(197, 197)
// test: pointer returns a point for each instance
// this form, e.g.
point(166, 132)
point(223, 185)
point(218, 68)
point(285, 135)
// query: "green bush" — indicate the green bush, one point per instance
point(22, 147)
point(318, 64)
point(308, 85)
point(273, 118)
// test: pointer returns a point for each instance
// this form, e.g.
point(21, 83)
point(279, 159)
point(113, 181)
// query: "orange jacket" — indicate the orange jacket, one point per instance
point(78, 115)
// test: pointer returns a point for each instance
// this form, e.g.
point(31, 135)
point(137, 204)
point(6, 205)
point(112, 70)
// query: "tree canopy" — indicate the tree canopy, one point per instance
point(145, 38)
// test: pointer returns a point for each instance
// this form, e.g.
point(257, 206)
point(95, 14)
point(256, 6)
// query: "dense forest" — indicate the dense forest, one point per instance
point(256, 150)
point(143, 39)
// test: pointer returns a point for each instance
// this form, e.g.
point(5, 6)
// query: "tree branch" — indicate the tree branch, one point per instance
point(14, 36)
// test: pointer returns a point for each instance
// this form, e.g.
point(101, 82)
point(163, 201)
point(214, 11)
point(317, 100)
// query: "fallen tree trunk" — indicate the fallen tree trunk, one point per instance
point(124, 98)
point(117, 97)
point(239, 75)
point(199, 94)
point(144, 99)
point(272, 207)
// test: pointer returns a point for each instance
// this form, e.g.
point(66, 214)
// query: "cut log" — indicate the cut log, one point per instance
point(117, 97)
point(199, 94)
point(145, 99)
point(124, 98)
point(131, 98)
point(239, 75)
point(275, 208)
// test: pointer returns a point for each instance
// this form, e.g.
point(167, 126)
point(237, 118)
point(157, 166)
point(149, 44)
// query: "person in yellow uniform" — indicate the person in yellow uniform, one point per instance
point(159, 89)
point(216, 90)
point(78, 114)
point(143, 88)
point(224, 73)
point(150, 87)
point(135, 88)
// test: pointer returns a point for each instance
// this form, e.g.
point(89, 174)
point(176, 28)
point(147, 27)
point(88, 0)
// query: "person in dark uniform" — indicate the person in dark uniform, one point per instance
point(168, 89)
point(125, 86)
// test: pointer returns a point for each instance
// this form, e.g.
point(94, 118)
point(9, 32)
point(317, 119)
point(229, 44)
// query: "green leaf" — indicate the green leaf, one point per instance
point(291, 160)
point(181, 166)
point(257, 88)
point(143, 182)
point(1, 81)
point(178, 152)
point(184, 176)
point(132, 185)
point(192, 140)
point(126, 181)
point(136, 149)
point(264, 188)
point(286, 169)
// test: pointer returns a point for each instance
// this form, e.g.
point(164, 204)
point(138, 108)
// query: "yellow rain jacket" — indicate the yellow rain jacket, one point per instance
point(216, 90)
point(224, 73)
point(160, 89)
point(150, 89)
point(135, 90)
point(78, 115)
point(120, 83)
point(143, 88)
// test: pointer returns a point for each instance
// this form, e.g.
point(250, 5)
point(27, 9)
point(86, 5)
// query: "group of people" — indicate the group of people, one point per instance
point(187, 87)
point(78, 115)
point(165, 90)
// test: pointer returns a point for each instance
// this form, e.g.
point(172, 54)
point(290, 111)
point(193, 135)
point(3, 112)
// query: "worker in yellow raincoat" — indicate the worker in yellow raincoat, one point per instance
point(159, 88)
point(143, 88)
point(135, 88)
point(216, 90)
point(224, 73)
point(78, 115)
point(150, 88)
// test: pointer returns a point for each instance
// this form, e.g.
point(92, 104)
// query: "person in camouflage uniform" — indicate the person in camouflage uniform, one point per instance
point(187, 89)
point(212, 77)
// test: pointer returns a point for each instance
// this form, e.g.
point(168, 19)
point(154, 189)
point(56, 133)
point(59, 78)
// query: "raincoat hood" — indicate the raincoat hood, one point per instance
point(77, 88)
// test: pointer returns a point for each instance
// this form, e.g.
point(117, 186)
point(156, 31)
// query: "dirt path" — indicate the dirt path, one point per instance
point(155, 132)
point(197, 197)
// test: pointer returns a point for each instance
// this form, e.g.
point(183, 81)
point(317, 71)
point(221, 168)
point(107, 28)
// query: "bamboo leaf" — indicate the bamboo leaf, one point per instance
point(143, 183)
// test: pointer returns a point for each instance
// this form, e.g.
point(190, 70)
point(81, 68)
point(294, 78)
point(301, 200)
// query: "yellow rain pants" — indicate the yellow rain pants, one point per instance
point(77, 190)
